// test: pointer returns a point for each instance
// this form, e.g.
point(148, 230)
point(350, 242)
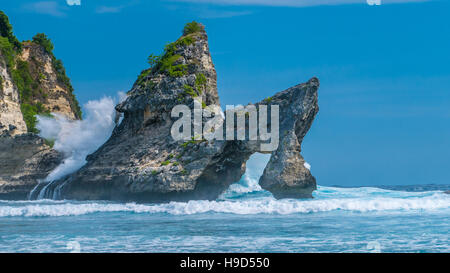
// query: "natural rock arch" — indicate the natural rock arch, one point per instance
point(142, 162)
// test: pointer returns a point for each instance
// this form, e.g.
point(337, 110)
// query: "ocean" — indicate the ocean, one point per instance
point(244, 219)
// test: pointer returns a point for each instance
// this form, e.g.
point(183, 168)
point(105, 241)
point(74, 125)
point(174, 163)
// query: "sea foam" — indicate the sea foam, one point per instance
point(266, 205)
point(76, 139)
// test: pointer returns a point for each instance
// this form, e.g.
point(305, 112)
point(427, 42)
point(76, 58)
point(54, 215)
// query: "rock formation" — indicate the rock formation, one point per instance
point(142, 162)
point(32, 81)
point(25, 159)
point(49, 75)
point(11, 118)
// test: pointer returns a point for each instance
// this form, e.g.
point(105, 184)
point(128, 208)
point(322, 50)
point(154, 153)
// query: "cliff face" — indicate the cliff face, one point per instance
point(53, 93)
point(142, 162)
point(32, 82)
point(24, 160)
point(11, 119)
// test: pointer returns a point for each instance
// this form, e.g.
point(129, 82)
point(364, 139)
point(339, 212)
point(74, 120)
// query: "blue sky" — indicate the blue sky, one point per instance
point(385, 80)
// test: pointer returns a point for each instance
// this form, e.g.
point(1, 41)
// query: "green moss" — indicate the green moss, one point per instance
point(192, 27)
point(168, 66)
point(49, 142)
point(166, 62)
point(41, 77)
point(184, 172)
point(29, 116)
point(184, 41)
point(200, 82)
point(141, 78)
point(165, 163)
point(154, 172)
point(203, 105)
point(170, 156)
point(188, 90)
point(184, 144)
point(192, 141)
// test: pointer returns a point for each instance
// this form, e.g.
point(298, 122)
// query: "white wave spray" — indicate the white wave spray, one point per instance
point(77, 139)
point(368, 200)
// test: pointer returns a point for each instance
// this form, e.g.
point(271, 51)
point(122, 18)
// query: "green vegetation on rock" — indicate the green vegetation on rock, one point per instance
point(164, 163)
point(30, 93)
point(44, 41)
point(7, 51)
point(6, 31)
point(200, 82)
point(188, 90)
point(49, 142)
point(193, 27)
point(168, 63)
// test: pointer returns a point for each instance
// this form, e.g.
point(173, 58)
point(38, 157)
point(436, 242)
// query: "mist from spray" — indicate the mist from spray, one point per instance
point(79, 138)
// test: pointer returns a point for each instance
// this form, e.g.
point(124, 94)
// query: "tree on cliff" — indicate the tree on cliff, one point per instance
point(6, 31)
point(44, 41)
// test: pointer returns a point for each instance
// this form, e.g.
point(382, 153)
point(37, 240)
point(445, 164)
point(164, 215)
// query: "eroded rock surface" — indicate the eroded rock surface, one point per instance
point(142, 162)
point(11, 119)
point(25, 159)
point(32, 81)
point(57, 95)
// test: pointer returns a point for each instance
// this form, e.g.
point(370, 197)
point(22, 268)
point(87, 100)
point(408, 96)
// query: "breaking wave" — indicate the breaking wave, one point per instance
point(77, 139)
point(327, 199)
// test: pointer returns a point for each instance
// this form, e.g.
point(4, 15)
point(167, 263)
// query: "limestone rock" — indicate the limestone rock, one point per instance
point(24, 160)
point(142, 162)
point(39, 85)
point(11, 119)
point(57, 95)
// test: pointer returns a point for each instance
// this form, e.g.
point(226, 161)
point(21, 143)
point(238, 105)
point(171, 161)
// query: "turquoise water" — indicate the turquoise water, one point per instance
point(244, 219)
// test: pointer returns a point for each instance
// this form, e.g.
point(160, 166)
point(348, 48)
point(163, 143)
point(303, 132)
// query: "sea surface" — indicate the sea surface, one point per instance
point(244, 219)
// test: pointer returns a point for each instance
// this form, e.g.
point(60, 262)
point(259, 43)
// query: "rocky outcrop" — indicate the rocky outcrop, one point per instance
point(25, 159)
point(11, 119)
point(142, 162)
point(32, 82)
point(55, 95)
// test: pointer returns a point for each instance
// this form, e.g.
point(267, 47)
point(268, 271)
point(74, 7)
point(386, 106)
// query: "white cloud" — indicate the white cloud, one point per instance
point(106, 9)
point(291, 3)
point(45, 7)
point(210, 14)
point(73, 2)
